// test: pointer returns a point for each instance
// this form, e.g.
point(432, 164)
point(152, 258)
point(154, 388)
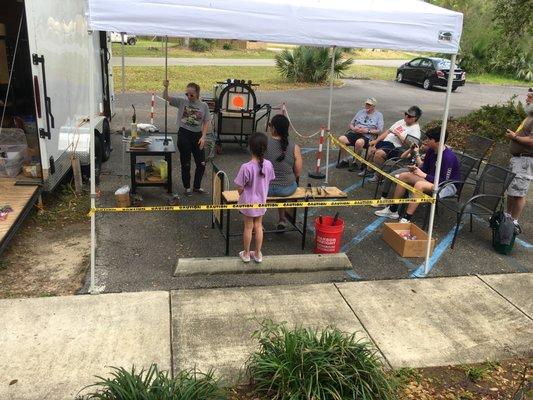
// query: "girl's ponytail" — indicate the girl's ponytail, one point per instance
point(281, 123)
point(258, 144)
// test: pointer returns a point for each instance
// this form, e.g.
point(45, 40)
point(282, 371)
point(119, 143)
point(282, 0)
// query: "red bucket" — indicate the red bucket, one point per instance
point(328, 237)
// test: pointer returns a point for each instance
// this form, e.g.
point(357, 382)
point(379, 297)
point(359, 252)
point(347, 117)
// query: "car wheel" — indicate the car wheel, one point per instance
point(399, 77)
point(454, 88)
point(85, 169)
point(132, 41)
point(426, 84)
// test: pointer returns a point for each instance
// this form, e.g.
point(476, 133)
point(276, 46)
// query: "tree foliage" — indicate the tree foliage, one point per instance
point(497, 36)
point(310, 64)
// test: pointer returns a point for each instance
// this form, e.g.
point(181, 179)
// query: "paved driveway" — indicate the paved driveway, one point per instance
point(139, 251)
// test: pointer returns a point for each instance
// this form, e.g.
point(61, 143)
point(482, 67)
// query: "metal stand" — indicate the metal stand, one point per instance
point(165, 142)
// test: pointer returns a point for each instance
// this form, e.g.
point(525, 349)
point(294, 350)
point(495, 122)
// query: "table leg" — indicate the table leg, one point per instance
point(168, 159)
point(304, 233)
point(228, 216)
point(133, 161)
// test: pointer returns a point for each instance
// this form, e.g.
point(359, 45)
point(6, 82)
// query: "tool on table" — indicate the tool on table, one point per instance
point(335, 218)
point(323, 189)
point(134, 124)
point(308, 192)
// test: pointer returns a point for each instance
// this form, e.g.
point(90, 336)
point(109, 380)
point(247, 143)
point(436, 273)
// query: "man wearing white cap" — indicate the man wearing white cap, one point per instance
point(365, 125)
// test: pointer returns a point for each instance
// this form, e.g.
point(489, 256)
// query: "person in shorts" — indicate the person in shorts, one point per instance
point(389, 143)
point(364, 127)
point(521, 163)
point(423, 178)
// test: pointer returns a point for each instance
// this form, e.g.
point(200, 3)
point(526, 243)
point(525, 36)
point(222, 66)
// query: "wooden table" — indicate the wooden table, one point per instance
point(155, 149)
point(301, 194)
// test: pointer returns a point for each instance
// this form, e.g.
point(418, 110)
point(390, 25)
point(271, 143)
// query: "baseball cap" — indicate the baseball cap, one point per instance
point(371, 101)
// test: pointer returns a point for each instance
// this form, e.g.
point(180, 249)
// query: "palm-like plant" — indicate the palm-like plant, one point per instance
point(310, 64)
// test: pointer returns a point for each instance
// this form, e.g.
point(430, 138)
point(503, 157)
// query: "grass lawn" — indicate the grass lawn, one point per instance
point(371, 72)
point(495, 79)
point(147, 48)
point(142, 79)
point(369, 54)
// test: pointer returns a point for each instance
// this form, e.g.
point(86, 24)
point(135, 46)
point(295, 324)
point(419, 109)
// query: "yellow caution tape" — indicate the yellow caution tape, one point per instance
point(288, 204)
point(422, 195)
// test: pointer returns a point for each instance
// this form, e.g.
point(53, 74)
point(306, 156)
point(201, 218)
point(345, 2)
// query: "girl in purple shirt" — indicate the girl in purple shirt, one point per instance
point(252, 181)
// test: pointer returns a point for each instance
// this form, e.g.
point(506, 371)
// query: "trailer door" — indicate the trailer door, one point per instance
point(58, 40)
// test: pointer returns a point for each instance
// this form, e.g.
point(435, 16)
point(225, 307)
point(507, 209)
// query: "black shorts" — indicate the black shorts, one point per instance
point(354, 136)
point(389, 149)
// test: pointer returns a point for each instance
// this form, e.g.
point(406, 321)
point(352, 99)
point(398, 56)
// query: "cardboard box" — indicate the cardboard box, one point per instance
point(406, 247)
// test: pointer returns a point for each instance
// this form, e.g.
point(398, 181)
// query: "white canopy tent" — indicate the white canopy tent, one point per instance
point(411, 25)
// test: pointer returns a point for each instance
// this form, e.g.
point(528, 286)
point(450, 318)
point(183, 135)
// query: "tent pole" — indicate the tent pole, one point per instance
point(122, 90)
point(165, 142)
point(92, 288)
point(451, 75)
point(331, 76)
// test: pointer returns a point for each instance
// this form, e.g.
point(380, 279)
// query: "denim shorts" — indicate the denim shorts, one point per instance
point(282, 191)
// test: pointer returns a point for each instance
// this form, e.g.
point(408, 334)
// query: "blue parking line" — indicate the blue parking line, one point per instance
point(352, 274)
point(524, 244)
point(444, 244)
point(306, 150)
point(363, 233)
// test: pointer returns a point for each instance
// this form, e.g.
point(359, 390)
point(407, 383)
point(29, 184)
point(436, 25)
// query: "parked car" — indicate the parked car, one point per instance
point(128, 39)
point(429, 72)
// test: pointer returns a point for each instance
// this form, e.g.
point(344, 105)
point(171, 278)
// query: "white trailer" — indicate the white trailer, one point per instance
point(44, 98)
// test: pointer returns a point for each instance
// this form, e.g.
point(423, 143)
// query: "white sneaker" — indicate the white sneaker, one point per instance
point(386, 212)
point(378, 205)
point(244, 258)
point(257, 258)
point(404, 221)
point(363, 173)
point(373, 179)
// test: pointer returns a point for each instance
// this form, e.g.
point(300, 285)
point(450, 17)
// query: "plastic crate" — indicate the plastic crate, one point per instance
point(11, 167)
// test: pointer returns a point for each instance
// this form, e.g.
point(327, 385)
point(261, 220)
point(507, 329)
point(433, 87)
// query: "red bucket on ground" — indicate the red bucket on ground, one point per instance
point(328, 235)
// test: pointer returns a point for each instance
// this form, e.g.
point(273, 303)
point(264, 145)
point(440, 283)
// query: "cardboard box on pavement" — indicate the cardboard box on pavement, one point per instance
point(405, 247)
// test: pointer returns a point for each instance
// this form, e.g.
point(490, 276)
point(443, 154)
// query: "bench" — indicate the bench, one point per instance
point(221, 196)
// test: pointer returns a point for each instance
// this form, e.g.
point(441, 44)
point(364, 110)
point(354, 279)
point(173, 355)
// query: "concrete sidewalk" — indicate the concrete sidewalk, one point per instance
point(53, 347)
point(242, 62)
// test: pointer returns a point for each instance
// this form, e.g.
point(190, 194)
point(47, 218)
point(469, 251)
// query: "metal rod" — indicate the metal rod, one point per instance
point(451, 75)
point(92, 287)
point(329, 110)
point(165, 142)
point(123, 99)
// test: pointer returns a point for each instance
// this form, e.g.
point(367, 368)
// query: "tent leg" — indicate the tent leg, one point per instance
point(122, 90)
point(331, 76)
point(165, 142)
point(92, 287)
point(451, 75)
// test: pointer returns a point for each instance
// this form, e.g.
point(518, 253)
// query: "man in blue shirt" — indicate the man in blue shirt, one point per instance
point(365, 125)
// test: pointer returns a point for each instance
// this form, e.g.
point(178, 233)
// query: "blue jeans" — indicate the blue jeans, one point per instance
point(282, 191)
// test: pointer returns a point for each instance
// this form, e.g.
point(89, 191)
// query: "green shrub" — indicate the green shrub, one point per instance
point(489, 121)
point(153, 384)
point(310, 64)
point(228, 46)
point(201, 45)
point(305, 364)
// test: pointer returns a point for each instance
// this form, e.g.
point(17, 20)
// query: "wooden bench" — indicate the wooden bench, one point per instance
point(221, 196)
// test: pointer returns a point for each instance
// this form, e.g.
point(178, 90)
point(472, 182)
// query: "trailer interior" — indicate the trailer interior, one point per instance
point(20, 168)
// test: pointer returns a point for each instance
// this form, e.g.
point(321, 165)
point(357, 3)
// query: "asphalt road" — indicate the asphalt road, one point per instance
point(259, 62)
point(139, 251)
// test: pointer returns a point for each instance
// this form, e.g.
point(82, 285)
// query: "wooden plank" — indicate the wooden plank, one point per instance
point(332, 192)
point(15, 196)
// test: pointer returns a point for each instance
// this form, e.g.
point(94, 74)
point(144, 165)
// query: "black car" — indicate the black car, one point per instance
point(429, 72)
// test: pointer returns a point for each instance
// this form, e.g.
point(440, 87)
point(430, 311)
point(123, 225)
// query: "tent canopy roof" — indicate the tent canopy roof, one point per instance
point(385, 24)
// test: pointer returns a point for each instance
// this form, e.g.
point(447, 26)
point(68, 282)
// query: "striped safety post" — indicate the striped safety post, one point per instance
point(152, 109)
point(317, 174)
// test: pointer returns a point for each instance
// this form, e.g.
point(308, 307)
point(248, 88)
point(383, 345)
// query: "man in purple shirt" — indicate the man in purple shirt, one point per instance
point(422, 178)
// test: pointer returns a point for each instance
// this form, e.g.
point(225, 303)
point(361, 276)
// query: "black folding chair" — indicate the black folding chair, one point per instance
point(488, 193)
point(466, 165)
point(500, 155)
point(365, 150)
point(478, 147)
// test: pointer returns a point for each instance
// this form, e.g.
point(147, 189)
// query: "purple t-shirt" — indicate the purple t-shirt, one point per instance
point(255, 185)
point(449, 169)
